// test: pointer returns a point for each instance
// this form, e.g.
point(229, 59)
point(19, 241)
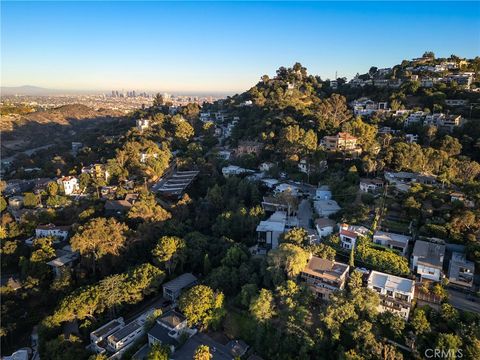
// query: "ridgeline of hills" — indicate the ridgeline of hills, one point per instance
point(37, 128)
point(294, 98)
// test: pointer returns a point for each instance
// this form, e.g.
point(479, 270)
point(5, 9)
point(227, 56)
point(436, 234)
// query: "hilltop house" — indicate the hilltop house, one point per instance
point(396, 293)
point(69, 184)
point(248, 147)
point(370, 185)
point(173, 288)
point(411, 138)
point(168, 329)
point(392, 241)
point(99, 335)
point(427, 260)
point(402, 180)
point(60, 233)
point(266, 166)
point(324, 276)
point(270, 230)
point(65, 258)
point(349, 234)
point(96, 171)
point(442, 121)
point(324, 226)
point(325, 208)
point(117, 207)
point(288, 204)
point(342, 142)
point(142, 124)
point(366, 107)
point(232, 170)
point(15, 202)
point(461, 271)
point(115, 337)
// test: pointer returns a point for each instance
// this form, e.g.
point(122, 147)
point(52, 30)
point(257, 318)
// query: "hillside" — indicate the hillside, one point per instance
point(21, 132)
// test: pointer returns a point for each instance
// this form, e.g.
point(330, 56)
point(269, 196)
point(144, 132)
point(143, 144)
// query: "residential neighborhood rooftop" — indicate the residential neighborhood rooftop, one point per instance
point(391, 282)
point(429, 253)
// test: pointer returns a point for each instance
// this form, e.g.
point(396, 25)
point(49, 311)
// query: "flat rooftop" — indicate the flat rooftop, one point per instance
point(105, 329)
point(180, 282)
point(391, 282)
point(125, 331)
point(429, 253)
point(391, 237)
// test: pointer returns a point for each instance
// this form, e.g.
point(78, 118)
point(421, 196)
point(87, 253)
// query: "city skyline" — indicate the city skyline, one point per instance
point(147, 46)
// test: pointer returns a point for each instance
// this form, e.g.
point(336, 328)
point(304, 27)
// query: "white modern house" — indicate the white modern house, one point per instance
point(266, 166)
point(69, 184)
point(232, 170)
point(396, 293)
point(142, 124)
point(324, 226)
point(427, 260)
point(370, 185)
point(393, 241)
point(349, 234)
point(269, 231)
point(58, 232)
point(103, 332)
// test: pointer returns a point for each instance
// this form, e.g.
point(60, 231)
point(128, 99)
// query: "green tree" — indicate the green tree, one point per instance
point(420, 322)
point(247, 293)
point(3, 203)
point(183, 130)
point(297, 236)
point(201, 305)
point(450, 344)
point(100, 237)
point(202, 353)
point(262, 308)
point(30, 200)
point(169, 251)
point(289, 258)
point(65, 348)
point(147, 209)
point(158, 100)
point(158, 352)
point(323, 251)
point(52, 188)
point(451, 145)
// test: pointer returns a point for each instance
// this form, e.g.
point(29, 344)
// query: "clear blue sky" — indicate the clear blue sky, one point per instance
point(220, 46)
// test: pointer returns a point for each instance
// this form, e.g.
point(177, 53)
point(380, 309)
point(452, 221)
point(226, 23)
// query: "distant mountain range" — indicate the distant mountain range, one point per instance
point(30, 90)
point(40, 91)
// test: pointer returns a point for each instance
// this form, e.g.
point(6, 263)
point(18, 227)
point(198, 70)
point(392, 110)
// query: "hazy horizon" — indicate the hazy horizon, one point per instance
point(219, 47)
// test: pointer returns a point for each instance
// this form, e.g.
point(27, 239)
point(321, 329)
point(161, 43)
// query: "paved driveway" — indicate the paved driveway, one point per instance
point(304, 214)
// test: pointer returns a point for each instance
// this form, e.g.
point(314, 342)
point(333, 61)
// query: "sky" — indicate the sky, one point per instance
point(219, 46)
